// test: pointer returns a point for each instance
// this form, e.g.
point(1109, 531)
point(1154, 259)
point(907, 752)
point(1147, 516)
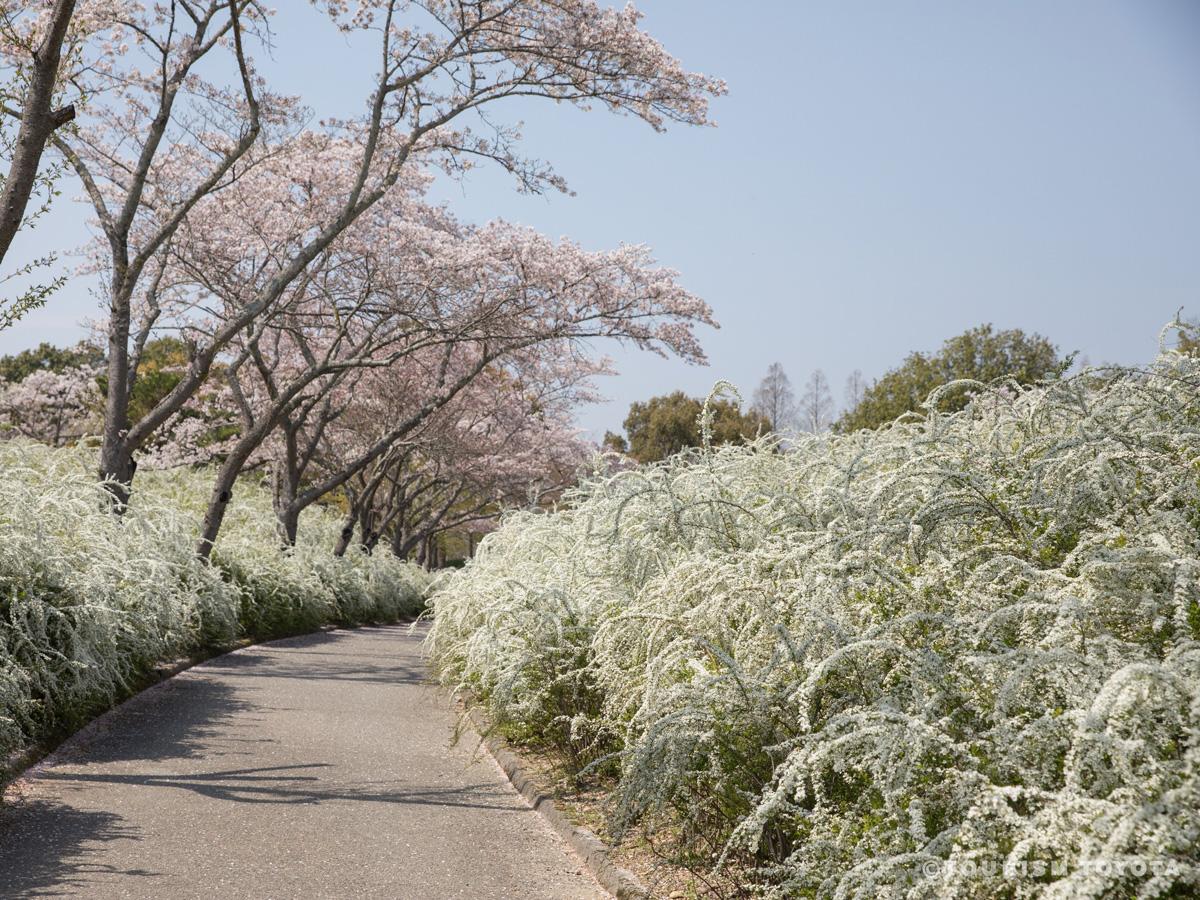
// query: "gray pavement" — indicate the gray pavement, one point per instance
point(319, 766)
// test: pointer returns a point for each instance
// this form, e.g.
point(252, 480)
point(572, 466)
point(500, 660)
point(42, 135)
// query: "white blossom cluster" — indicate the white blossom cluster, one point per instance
point(957, 657)
point(90, 601)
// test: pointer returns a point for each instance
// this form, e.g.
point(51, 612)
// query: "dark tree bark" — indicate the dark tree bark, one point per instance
point(346, 534)
point(39, 120)
point(121, 438)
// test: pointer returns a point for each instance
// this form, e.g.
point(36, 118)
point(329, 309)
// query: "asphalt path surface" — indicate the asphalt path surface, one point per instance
point(320, 766)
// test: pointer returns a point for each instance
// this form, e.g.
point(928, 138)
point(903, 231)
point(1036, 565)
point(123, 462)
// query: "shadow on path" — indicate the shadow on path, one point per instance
point(249, 664)
point(143, 802)
point(182, 718)
point(312, 657)
point(270, 784)
point(47, 847)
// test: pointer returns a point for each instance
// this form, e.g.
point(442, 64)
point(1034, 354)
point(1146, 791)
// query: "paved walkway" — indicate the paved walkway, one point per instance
point(318, 766)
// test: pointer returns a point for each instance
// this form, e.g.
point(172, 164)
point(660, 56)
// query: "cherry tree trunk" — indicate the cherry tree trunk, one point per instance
point(116, 454)
point(286, 486)
point(289, 525)
point(38, 121)
point(215, 515)
point(222, 491)
point(346, 535)
point(366, 529)
point(400, 547)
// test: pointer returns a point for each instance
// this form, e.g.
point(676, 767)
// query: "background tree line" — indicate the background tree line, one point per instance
point(661, 426)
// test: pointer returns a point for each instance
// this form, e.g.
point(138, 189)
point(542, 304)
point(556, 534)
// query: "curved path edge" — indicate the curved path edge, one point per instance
point(328, 759)
point(615, 879)
point(17, 763)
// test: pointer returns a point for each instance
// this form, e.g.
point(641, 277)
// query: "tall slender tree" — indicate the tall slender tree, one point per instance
point(816, 403)
point(856, 388)
point(774, 398)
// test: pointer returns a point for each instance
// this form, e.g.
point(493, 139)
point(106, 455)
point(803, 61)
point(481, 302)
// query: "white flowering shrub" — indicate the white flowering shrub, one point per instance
point(90, 602)
point(304, 586)
point(954, 658)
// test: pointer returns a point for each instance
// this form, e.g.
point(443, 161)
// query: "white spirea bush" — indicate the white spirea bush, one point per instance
point(90, 602)
point(956, 658)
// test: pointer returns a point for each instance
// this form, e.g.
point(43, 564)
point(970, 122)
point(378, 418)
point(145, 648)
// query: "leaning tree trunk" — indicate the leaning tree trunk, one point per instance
point(222, 491)
point(287, 486)
point(38, 121)
point(219, 501)
point(360, 514)
point(346, 535)
point(400, 545)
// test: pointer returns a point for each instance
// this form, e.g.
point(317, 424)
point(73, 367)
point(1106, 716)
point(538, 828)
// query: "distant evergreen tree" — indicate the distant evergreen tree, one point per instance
point(981, 354)
point(45, 357)
point(662, 426)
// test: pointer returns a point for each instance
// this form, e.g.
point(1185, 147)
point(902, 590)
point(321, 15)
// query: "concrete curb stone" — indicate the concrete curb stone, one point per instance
point(618, 881)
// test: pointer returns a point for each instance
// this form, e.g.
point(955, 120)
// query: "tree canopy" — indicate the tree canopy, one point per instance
point(46, 357)
point(980, 354)
point(662, 426)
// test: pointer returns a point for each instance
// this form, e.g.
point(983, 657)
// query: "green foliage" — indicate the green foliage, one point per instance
point(46, 357)
point(162, 362)
point(614, 442)
point(159, 370)
point(89, 602)
point(662, 426)
point(981, 355)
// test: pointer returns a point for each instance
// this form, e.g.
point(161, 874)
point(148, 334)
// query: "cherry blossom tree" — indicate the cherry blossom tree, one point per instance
point(501, 442)
point(526, 468)
point(451, 301)
point(442, 64)
point(406, 286)
point(55, 408)
point(154, 137)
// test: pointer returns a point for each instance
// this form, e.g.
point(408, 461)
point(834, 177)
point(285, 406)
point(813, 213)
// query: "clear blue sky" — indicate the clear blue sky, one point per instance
point(884, 175)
